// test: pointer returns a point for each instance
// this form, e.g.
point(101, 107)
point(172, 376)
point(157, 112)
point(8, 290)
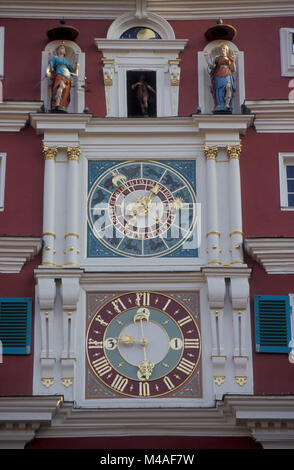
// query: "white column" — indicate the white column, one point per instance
point(213, 234)
point(175, 72)
point(72, 203)
point(108, 75)
point(49, 206)
point(236, 233)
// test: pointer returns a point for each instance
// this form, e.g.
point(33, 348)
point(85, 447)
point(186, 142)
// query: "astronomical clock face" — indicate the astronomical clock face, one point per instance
point(141, 209)
point(143, 344)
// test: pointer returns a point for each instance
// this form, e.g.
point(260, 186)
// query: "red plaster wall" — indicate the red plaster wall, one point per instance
point(259, 166)
point(23, 69)
point(262, 217)
point(16, 371)
point(23, 202)
point(262, 58)
point(272, 373)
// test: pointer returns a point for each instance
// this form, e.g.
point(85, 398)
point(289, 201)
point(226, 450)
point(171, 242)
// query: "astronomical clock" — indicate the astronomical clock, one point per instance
point(141, 208)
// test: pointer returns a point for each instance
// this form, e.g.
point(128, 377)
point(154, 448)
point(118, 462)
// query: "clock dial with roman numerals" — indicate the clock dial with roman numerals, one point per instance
point(141, 209)
point(143, 344)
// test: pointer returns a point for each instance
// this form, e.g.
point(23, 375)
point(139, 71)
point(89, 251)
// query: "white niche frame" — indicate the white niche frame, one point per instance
point(205, 99)
point(157, 55)
point(77, 93)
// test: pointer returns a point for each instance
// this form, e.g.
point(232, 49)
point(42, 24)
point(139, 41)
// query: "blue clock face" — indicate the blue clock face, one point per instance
point(141, 209)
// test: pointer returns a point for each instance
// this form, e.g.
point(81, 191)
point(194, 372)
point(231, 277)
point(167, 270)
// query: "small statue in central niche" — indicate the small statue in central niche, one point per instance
point(221, 69)
point(142, 94)
point(61, 71)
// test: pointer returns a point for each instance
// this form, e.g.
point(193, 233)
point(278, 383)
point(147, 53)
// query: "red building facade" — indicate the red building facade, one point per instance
point(229, 274)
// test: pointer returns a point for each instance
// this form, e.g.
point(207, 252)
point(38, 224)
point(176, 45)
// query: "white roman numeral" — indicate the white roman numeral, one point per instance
point(168, 383)
point(117, 305)
point(191, 343)
point(93, 344)
point(166, 305)
point(186, 366)
point(101, 366)
point(144, 389)
point(184, 320)
point(143, 299)
point(119, 383)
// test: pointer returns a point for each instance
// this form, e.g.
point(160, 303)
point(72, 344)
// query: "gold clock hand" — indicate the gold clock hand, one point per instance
point(126, 339)
point(147, 199)
point(134, 214)
point(145, 367)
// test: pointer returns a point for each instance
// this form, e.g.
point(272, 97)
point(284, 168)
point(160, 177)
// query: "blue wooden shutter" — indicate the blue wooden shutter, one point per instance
point(272, 323)
point(15, 325)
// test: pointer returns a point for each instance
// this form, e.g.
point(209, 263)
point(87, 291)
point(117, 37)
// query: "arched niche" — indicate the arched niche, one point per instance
point(150, 21)
point(73, 55)
point(154, 57)
point(205, 98)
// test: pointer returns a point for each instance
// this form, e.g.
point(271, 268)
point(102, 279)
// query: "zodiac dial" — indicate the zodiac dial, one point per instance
point(141, 208)
point(143, 344)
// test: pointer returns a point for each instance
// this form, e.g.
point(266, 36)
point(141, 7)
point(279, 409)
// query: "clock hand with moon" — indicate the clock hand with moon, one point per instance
point(145, 367)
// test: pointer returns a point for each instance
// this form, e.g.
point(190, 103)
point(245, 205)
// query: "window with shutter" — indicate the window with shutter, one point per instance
point(15, 325)
point(272, 323)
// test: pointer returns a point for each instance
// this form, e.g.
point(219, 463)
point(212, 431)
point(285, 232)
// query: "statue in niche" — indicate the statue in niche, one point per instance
point(142, 93)
point(61, 72)
point(221, 68)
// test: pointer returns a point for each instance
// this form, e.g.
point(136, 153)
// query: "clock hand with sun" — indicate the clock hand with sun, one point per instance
point(128, 339)
point(147, 199)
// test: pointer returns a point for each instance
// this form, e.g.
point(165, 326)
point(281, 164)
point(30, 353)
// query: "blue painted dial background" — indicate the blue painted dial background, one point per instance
point(179, 176)
point(129, 370)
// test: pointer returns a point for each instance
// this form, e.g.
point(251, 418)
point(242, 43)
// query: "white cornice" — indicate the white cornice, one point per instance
point(202, 123)
point(270, 419)
point(15, 114)
point(59, 122)
point(230, 272)
point(72, 422)
point(276, 255)
point(21, 417)
point(15, 251)
point(122, 280)
point(164, 45)
point(272, 115)
point(169, 9)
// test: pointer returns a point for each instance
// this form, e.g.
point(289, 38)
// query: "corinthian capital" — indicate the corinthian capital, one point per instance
point(233, 151)
point(49, 153)
point(210, 152)
point(73, 153)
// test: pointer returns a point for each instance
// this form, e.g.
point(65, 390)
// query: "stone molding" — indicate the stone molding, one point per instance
point(15, 251)
point(267, 419)
point(276, 255)
point(15, 114)
point(182, 9)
